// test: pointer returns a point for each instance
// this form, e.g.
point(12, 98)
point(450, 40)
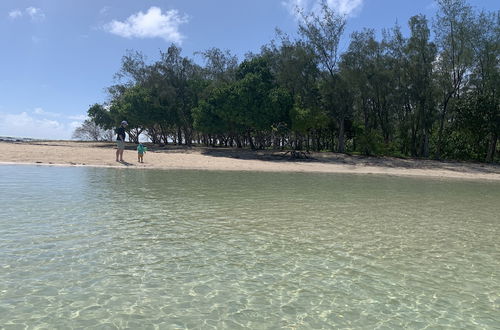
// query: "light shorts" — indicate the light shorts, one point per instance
point(120, 144)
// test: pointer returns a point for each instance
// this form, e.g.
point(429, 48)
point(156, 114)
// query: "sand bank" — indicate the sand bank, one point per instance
point(102, 154)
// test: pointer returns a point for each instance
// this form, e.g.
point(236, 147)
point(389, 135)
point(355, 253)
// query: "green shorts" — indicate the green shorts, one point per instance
point(120, 144)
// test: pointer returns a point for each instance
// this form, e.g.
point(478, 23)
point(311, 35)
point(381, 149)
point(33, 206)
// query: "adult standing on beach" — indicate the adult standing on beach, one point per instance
point(120, 141)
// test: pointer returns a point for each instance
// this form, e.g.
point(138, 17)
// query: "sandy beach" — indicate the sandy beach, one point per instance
point(102, 154)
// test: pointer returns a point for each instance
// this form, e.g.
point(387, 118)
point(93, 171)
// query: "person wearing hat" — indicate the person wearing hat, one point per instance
point(120, 141)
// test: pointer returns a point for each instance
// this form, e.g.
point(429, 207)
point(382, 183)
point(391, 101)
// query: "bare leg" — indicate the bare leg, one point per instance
point(117, 154)
point(121, 155)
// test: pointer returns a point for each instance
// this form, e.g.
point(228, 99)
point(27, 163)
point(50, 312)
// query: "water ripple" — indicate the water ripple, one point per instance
point(109, 248)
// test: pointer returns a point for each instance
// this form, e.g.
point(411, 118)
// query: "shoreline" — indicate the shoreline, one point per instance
point(430, 176)
point(102, 154)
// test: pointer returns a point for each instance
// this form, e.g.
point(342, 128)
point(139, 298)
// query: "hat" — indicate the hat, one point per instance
point(124, 122)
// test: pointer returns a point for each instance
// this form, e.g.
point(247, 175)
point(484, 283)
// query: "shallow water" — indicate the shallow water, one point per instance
point(107, 248)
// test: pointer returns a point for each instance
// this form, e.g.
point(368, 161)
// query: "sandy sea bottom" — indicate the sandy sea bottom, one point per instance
point(107, 248)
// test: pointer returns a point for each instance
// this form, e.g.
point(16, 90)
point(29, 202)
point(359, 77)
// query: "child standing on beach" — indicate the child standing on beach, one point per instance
point(141, 150)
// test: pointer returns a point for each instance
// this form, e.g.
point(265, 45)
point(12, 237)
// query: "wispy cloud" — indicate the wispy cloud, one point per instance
point(16, 13)
point(343, 7)
point(294, 6)
point(39, 124)
point(35, 14)
point(40, 111)
point(24, 125)
point(431, 6)
point(80, 118)
point(104, 10)
point(152, 24)
point(346, 7)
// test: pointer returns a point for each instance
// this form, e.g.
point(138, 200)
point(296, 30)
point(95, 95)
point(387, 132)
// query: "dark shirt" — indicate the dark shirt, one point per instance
point(120, 133)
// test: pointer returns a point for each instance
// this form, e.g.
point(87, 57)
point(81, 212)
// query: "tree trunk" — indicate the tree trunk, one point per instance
point(188, 138)
point(439, 149)
point(425, 145)
point(133, 135)
point(341, 137)
point(332, 140)
point(492, 148)
point(179, 136)
point(252, 145)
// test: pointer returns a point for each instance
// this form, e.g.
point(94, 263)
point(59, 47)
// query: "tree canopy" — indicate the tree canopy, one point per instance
point(434, 93)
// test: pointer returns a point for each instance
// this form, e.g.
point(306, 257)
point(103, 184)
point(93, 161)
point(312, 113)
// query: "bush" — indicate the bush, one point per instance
point(371, 143)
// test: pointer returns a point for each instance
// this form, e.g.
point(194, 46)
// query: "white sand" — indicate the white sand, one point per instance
point(68, 153)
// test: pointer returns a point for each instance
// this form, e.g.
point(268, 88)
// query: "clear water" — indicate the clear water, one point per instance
point(105, 248)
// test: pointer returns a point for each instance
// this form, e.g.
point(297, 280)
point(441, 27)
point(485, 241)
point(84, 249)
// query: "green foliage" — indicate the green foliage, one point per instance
point(135, 106)
point(252, 103)
point(304, 120)
point(425, 95)
point(370, 143)
point(101, 116)
point(476, 117)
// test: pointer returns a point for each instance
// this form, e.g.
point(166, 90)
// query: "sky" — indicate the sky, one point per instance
point(58, 56)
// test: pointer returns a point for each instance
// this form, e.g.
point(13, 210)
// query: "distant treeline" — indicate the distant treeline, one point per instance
point(418, 96)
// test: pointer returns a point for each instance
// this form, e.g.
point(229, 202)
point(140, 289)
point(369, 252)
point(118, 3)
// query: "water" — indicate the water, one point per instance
point(105, 248)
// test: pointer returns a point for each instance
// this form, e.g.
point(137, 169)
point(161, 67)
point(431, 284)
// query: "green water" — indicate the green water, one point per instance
point(105, 248)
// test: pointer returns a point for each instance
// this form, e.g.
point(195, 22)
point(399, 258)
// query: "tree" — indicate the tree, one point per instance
point(323, 33)
point(134, 105)
point(220, 66)
point(372, 76)
point(485, 76)
point(405, 95)
point(258, 102)
point(421, 54)
point(295, 68)
point(89, 130)
point(453, 36)
point(101, 116)
point(182, 77)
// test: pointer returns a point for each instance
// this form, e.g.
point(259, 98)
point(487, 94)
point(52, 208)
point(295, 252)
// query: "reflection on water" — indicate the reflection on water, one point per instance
point(88, 247)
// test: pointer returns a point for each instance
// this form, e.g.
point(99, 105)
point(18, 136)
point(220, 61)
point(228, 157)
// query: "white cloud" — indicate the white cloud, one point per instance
point(343, 7)
point(36, 14)
point(74, 124)
point(16, 13)
point(152, 24)
point(80, 118)
point(346, 7)
point(40, 111)
point(24, 125)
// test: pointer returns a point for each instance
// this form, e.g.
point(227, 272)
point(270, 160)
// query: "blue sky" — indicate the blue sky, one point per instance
point(57, 56)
